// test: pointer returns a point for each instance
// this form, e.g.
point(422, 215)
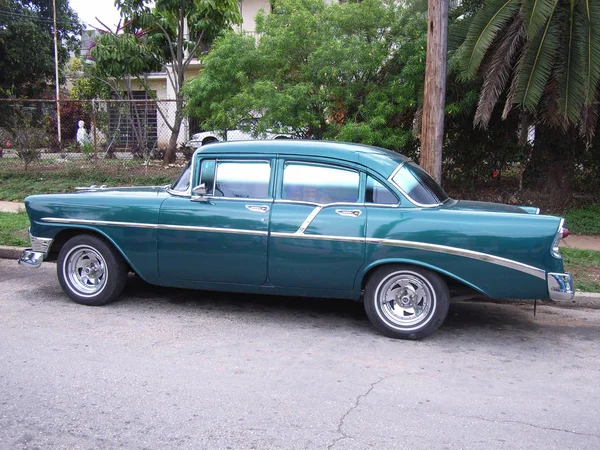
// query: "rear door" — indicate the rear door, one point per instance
point(317, 237)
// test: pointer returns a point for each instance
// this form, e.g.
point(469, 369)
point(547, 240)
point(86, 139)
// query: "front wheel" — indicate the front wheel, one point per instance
point(90, 271)
point(406, 302)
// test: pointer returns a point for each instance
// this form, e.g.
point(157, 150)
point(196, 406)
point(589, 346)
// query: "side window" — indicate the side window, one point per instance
point(378, 193)
point(236, 179)
point(183, 182)
point(319, 184)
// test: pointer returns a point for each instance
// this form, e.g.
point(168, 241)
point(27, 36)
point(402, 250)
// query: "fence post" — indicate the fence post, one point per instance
point(94, 138)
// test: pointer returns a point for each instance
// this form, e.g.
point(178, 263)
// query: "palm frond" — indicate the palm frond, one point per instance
point(569, 75)
point(512, 91)
point(484, 27)
point(590, 10)
point(497, 71)
point(536, 14)
point(589, 119)
point(539, 57)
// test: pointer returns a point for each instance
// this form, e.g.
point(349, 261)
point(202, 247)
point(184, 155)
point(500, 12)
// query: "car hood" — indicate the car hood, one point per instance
point(467, 205)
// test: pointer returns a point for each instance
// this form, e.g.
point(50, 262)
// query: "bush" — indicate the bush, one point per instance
point(584, 220)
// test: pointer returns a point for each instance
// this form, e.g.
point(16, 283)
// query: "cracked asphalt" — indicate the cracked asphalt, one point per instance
point(166, 368)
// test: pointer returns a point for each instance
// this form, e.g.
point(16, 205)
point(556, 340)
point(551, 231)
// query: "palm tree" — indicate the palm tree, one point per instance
point(544, 54)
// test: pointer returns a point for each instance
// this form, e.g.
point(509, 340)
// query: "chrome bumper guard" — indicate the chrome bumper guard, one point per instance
point(29, 258)
point(560, 286)
point(34, 256)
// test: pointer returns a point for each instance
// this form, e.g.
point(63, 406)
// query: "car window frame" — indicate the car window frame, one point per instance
point(285, 159)
point(271, 161)
point(388, 187)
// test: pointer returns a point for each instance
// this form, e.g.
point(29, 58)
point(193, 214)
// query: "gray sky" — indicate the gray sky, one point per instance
point(88, 10)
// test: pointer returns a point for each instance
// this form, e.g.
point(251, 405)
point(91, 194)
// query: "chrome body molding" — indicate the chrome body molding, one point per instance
point(309, 220)
point(504, 262)
point(497, 260)
point(560, 286)
point(213, 230)
point(109, 223)
point(154, 226)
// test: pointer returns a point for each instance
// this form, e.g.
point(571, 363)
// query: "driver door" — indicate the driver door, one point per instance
point(223, 238)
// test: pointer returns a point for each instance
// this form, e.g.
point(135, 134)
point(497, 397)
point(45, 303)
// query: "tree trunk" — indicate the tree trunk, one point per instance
point(171, 153)
point(432, 126)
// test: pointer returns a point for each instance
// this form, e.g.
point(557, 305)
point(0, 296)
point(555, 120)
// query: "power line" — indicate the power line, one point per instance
point(30, 16)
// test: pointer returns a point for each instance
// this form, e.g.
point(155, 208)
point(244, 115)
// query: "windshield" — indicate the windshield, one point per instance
point(183, 182)
point(419, 186)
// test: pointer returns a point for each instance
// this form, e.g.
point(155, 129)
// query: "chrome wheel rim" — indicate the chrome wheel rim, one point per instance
point(405, 300)
point(85, 271)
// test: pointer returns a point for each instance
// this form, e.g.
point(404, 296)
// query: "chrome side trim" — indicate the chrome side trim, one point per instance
point(309, 220)
point(99, 222)
point(497, 260)
point(213, 230)
point(155, 227)
point(318, 237)
point(504, 262)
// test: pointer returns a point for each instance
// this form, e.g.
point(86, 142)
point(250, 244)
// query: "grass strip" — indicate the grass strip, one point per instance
point(13, 229)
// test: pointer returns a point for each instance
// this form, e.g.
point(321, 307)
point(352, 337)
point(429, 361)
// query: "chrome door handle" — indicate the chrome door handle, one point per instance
point(349, 212)
point(258, 208)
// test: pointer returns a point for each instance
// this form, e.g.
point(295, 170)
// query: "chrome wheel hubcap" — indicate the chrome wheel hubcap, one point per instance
point(405, 300)
point(85, 271)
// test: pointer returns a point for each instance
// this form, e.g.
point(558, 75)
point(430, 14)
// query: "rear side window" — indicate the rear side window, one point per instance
point(378, 193)
point(236, 179)
point(319, 184)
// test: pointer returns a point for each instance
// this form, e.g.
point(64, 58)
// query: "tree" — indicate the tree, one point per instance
point(543, 55)
point(350, 72)
point(26, 44)
point(171, 33)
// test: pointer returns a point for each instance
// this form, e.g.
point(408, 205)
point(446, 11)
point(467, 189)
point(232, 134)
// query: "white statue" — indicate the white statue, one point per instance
point(82, 136)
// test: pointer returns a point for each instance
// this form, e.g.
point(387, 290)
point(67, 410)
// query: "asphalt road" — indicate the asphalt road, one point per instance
point(165, 369)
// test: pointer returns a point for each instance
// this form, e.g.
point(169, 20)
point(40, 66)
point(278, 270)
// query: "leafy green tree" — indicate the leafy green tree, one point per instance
point(352, 72)
point(171, 33)
point(27, 46)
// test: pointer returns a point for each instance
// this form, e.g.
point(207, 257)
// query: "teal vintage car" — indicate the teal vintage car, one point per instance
point(303, 218)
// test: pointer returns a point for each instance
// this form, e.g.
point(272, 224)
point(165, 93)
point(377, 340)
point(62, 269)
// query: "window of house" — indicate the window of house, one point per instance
point(320, 184)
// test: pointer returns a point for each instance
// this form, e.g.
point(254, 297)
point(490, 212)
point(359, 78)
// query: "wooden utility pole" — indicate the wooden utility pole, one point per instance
point(432, 124)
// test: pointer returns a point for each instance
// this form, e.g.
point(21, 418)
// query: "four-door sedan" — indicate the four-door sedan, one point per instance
point(302, 218)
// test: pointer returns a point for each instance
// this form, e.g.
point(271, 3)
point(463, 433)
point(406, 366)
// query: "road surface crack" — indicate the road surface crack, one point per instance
point(518, 422)
point(340, 427)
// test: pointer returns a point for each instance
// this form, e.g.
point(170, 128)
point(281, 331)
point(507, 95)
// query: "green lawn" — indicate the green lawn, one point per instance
point(15, 185)
point(584, 265)
point(584, 220)
point(13, 229)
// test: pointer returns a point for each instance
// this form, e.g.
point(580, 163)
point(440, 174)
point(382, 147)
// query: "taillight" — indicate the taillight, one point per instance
point(564, 232)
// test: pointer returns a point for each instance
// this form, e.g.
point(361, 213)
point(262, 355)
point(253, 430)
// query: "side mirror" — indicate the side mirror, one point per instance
point(199, 193)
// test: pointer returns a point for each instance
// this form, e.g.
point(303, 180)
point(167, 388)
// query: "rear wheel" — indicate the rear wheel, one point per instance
point(406, 302)
point(90, 271)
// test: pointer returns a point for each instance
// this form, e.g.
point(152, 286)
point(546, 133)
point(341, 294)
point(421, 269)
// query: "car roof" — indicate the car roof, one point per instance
point(379, 159)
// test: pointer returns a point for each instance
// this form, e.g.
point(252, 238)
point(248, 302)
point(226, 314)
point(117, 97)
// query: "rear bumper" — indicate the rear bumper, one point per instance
point(560, 286)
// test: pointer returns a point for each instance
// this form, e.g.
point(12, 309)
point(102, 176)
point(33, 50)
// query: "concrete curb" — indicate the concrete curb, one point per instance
point(10, 252)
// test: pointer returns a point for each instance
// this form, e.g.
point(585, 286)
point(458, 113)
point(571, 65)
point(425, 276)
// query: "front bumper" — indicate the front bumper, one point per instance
point(34, 256)
point(560, 286)
point(29, 258)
